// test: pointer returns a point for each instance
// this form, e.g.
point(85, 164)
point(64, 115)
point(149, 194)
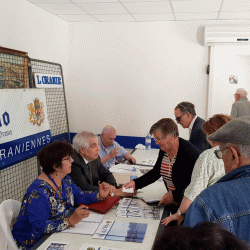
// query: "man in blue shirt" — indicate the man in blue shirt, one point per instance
point(110, 151)
point(228, 201)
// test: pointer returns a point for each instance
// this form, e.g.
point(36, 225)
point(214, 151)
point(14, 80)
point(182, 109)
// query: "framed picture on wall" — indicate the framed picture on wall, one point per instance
point(233, 79)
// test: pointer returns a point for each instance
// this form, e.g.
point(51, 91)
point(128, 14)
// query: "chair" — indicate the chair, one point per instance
point(9, 210)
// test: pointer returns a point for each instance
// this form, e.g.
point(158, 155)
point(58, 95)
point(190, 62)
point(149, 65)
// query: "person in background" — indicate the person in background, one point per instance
point(175, 163)
point(49, 203)
point(87, 170)
point(110, 151)
point(227, 202)
point(208, 169)
point(205, 236)
point(186, 116)
point(241, 106)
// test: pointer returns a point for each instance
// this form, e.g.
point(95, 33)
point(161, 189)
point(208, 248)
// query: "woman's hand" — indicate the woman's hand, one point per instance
point(105, 190)
point(167, 199)
point(119, 192)
point(130, 184)
point(80, 213)
point(173, 217)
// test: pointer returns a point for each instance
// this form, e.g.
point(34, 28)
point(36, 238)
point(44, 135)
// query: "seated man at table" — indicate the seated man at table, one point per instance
point(87, 170)
point(111, 152)
point(227, 201)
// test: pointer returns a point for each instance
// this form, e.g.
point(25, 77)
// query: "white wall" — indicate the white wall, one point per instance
point(131, 75)
point(228, 60)
point(25, 27)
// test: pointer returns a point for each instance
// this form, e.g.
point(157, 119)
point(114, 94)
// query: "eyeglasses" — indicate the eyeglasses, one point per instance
point(67, 159)
point(178, 119)
point(157, 139)
point(218, 152)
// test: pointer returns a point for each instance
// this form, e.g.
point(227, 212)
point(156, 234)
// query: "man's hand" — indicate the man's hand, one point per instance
point(104, 189)
point(113, 153)
point(132, 160)
point(173, 217)
point(167, 199)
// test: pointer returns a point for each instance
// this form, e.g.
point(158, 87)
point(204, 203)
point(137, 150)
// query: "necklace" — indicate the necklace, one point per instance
point(58, 189)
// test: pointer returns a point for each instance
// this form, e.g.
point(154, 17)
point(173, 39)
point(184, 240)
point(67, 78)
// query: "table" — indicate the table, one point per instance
point(145, 157)
point(77, 240)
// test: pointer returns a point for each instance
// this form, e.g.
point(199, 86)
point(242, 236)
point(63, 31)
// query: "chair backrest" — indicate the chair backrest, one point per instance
point(9, 210)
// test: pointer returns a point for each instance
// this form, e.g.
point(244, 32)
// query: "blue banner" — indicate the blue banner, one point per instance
point(23, 148)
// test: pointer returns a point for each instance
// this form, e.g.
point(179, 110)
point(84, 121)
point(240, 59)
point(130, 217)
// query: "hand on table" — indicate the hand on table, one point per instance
point(80, 213)
point(132, 160)
point(167, 199)
point(173, 217)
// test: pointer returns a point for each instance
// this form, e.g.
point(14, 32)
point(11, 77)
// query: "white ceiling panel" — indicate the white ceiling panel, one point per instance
point(103, 8)
point(196, 6)
point(78, 18)
point(235, 5)
point(148, 7)
point(235, 15)
point(49, 1)
point(115, 18)
point(62, 8)
point(196, 16)
point(153, 17)
point(146, 10)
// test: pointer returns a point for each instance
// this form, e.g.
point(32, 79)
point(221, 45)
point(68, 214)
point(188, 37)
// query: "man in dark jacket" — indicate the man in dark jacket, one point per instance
point(87, 170)
point(186, 116)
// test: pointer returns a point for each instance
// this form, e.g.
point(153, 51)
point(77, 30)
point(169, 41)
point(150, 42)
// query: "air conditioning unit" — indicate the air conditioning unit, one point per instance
point(221, 35)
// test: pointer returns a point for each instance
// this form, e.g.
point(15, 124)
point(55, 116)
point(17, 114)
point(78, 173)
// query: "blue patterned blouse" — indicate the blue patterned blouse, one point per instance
point(43, 210)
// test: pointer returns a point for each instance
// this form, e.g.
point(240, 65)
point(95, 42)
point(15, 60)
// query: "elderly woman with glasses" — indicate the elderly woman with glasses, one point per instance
point(208, 169)
point(49, 203)
point(175, 163)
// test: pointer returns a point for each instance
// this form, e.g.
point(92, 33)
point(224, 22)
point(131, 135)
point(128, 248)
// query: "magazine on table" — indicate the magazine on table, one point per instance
point(121, 231)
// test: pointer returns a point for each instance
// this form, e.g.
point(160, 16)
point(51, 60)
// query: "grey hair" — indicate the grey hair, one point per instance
point(82, 140)
point(244, 149)
point(242, 92)
point(186, 107)
point(107, 128)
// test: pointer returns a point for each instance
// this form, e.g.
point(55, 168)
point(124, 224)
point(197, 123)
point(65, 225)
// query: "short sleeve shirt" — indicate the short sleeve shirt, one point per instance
point(105, 151)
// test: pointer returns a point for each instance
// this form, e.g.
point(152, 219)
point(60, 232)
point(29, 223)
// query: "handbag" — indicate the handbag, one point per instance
point(102, 207)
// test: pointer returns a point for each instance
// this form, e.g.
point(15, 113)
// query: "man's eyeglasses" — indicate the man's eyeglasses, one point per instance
point(218, 152)
point(67, 159)
point(178, 119)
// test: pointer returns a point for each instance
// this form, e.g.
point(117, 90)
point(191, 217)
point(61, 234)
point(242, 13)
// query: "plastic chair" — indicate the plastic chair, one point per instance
point(9, 210)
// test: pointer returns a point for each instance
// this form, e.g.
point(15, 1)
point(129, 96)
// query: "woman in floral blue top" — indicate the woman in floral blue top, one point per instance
point(49, 203)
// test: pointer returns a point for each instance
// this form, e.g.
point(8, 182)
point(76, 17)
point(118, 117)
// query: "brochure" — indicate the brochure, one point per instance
point(56, 245)
point(121, 231)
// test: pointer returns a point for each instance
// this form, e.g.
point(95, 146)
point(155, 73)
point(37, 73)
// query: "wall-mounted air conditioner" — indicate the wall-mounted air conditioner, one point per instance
point(222, 35)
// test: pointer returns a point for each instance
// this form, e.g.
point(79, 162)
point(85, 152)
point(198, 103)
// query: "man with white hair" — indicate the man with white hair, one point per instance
point(241, 106)
point(227, 202)
point(111, 151)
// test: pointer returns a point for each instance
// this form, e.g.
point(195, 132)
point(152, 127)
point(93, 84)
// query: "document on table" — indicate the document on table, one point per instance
point(57, 245)
point(94, 247)
point(87, 226)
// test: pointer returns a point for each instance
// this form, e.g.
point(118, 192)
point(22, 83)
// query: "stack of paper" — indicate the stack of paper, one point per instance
point(94, 247)
point(133, 208)
point(121, 231)
point(86, 226)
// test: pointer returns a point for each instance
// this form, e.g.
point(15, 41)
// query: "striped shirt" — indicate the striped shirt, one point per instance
point(166, 171)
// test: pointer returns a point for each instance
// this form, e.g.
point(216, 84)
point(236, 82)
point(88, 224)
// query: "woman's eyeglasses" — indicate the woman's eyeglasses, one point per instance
point(67, 159)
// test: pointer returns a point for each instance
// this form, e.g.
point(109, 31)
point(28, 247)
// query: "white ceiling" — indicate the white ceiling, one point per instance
point(146, 10)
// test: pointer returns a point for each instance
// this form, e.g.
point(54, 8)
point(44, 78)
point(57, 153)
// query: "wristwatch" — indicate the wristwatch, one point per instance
point(98, 197)
point(180, 213)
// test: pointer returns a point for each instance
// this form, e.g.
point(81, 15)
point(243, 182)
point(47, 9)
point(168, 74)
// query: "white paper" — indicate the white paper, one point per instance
point(93, 217)
point(103, 229)
point(87, 228)
point(57, 245)
point(94, 247)
point(128, 190)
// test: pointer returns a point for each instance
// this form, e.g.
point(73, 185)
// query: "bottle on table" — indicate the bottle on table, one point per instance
point(148, 141)
point(133, 175)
